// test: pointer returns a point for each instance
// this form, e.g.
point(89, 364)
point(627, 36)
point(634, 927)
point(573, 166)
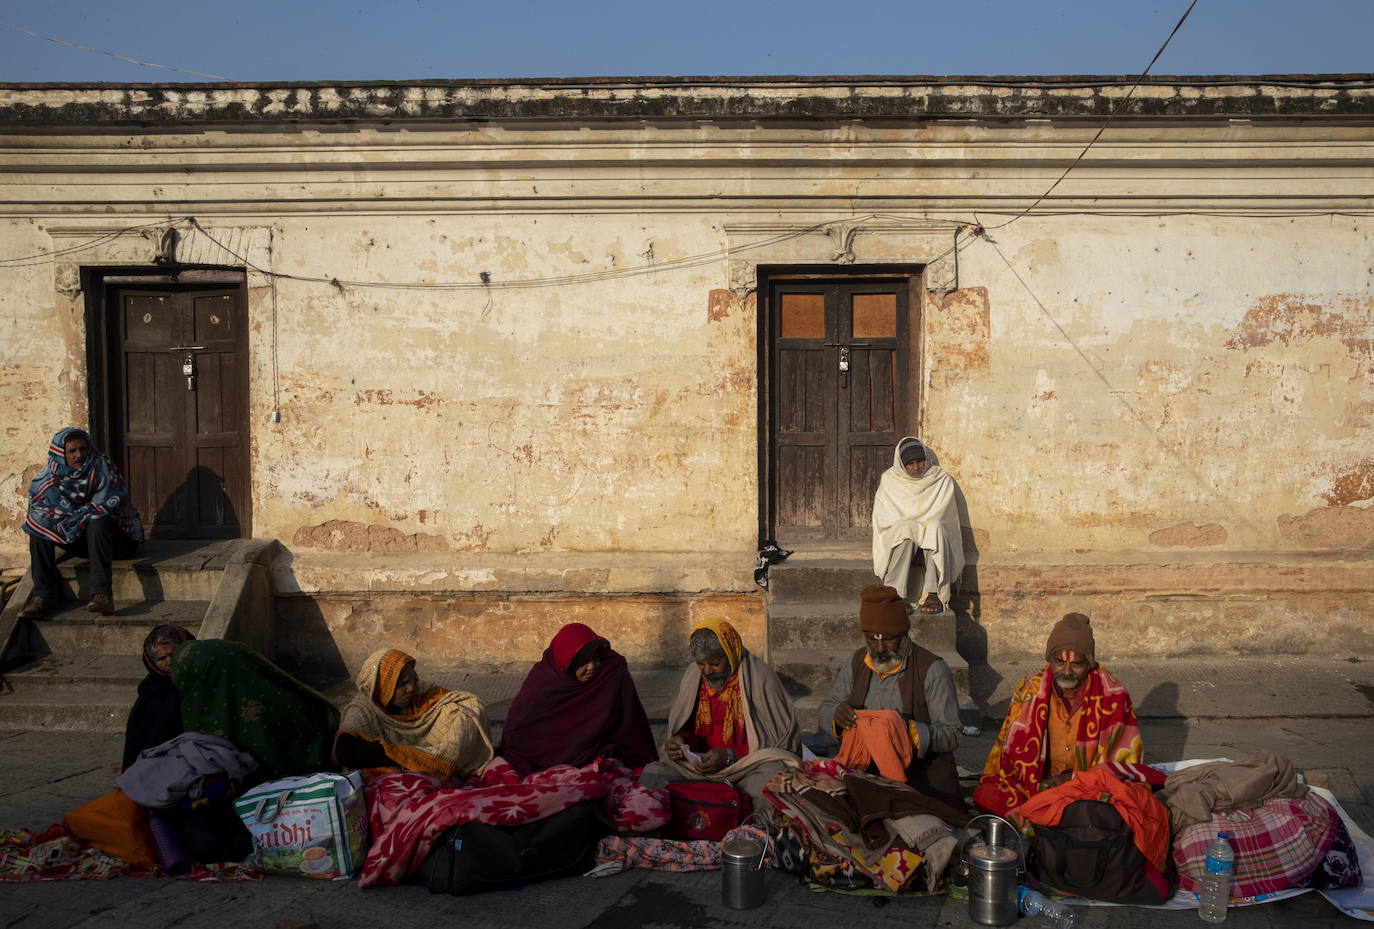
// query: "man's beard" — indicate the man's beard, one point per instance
point(1068, 681)
point(716, 681)
point(885, 663)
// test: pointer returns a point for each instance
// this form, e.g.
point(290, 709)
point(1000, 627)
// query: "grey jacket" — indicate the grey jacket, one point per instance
point(166, 774)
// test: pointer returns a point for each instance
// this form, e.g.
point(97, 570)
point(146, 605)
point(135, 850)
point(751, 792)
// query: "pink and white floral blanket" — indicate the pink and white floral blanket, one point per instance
point(408, 810)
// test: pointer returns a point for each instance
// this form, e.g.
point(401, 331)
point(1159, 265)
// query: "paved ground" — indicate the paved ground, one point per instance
point(1317, 712)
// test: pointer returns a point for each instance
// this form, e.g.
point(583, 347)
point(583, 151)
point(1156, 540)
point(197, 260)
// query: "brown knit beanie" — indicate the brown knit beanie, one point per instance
point(1072, 633)
point(881, 610)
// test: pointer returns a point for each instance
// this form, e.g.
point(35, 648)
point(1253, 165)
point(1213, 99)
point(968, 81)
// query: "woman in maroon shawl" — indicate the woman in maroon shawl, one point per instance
point(577, 704)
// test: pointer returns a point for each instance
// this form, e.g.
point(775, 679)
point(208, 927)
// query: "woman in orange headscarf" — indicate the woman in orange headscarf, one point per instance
point(397, 723)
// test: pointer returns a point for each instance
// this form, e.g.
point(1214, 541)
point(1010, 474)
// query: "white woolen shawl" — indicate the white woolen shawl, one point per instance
point(920, 509)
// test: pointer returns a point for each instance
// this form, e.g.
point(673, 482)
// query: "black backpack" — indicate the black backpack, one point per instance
point(473, 857)
point(1092, 853)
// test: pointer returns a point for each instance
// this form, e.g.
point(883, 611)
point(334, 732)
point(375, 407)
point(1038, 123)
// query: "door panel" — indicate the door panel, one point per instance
point(838, 401)
point(182, 445)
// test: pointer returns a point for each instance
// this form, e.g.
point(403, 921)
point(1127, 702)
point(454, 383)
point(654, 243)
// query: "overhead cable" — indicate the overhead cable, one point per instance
point(1116, 108)
point(132, 61)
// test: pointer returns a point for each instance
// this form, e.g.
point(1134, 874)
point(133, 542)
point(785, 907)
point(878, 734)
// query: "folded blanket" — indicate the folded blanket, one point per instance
point(408, 810)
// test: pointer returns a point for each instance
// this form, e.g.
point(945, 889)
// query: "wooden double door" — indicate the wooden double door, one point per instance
point(178, 406)
point(839, 396)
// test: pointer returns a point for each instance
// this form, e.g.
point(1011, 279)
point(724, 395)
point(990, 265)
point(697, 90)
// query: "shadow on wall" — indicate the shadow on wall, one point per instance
point(1163, 728)
point(970, 636)
point(302, 641)
point(198, 502)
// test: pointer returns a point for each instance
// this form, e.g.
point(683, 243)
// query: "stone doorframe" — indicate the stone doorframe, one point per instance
point(874, 240)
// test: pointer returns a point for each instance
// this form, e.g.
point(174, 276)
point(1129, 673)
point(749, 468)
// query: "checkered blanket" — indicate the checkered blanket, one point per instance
point(1279, 844)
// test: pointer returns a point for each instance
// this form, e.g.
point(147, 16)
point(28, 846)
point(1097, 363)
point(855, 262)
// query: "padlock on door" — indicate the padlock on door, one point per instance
point(188, 368)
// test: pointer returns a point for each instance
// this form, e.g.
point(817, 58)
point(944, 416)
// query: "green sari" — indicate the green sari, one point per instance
point(229, 690)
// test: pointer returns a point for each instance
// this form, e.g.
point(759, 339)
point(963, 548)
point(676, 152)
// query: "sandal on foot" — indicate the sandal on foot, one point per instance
point(931, 605)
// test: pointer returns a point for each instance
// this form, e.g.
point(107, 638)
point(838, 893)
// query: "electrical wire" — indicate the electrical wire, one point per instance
point(1112, 389)
point(132, 61)
point(489, 285)
point(1116, 108)
point(46, 257)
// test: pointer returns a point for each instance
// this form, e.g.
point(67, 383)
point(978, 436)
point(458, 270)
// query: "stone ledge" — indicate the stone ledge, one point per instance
point(690, 98)
point(563, 574)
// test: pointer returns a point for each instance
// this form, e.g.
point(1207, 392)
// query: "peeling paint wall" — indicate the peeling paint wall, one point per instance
point(1209, 385)
point(1100, 382)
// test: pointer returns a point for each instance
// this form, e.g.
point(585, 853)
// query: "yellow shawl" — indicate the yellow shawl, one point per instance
point(443, 733)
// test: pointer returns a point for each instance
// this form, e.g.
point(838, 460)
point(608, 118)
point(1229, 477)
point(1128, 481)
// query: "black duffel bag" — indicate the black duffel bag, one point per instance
point(1092, 853)
point(473, 857)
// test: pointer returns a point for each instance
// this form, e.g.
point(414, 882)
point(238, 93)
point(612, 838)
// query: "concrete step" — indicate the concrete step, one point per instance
point(111, 674)
point(159, 571)
point(815, 580)
point(73, 630)
point(90, 692)
point(67, 710)
point(833, 624)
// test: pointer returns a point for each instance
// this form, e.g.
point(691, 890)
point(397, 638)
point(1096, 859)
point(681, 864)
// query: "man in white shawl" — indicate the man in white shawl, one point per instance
point(915, 508)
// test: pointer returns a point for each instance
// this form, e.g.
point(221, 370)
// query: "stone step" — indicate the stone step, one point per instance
point(73, 630)
point(161, 570)
point(835, 624)
point(78, 710)
point(820, 579)
point(111, 675)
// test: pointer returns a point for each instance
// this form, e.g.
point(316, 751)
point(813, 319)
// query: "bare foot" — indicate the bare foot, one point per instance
point(931, 604)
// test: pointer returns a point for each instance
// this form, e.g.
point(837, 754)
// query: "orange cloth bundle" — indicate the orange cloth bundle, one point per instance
point(878, 737)
point(117, 826)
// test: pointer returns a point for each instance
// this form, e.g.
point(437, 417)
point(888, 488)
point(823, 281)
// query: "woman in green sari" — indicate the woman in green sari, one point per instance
point(229, 690)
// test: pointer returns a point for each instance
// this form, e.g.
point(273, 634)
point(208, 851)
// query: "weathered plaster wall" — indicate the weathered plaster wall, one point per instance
point(498, 633)
point(1104, 385)
point(42, 371)
point(1181, 383)
point(596, 416)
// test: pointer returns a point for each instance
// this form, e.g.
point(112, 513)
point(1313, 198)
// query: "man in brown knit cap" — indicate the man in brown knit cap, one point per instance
point(1070, 717)
point(893, 705)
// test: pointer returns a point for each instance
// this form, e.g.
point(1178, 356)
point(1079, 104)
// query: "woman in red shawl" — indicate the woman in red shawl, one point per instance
point(577, 704)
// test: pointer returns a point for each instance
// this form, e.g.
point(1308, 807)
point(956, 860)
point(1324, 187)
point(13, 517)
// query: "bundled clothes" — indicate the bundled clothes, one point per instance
point(920, 512)
point(62, 500)
point(408, 811)
point(557, 719)
point(1102, 728)
point(856, 825)
point(1139, 809)
point(442, 733)
point(166, 774)
point(750, 714)
point(231, 691)
point(1195, 792)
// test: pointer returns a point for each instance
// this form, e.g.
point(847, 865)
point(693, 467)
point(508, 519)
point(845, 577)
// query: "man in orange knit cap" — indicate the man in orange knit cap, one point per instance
point(1070, 717)
point(893, 705)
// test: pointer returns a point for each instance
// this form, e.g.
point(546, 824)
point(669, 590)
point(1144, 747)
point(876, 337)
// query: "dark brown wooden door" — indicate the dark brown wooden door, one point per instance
point(838, 401)
point(183, 441)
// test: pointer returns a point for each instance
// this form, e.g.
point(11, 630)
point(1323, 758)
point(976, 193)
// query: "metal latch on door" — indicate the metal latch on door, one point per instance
point(188, 364)
point(844, 358)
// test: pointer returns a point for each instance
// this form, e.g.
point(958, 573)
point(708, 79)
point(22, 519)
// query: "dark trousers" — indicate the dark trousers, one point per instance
point(102, 542)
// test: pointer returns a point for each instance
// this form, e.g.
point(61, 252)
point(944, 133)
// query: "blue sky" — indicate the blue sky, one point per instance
point(253, 40)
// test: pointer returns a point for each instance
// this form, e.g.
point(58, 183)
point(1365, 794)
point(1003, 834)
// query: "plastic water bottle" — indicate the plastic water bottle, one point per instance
point(1034, 903)
point(1216, 881)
